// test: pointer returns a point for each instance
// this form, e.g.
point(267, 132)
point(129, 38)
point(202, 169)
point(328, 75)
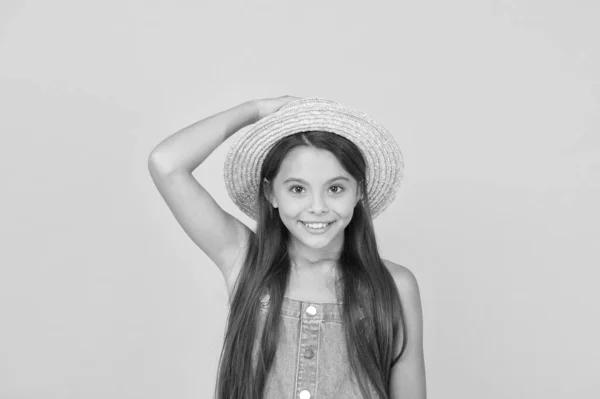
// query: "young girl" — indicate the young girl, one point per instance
point(315, 313)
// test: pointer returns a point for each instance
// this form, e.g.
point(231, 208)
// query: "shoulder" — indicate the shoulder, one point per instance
point(410, 302)
point(404, 278)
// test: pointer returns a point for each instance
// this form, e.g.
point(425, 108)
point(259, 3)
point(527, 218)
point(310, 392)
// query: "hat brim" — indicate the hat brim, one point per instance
point(243, 162)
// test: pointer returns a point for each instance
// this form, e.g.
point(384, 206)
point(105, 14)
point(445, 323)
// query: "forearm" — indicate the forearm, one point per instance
point(186, 149)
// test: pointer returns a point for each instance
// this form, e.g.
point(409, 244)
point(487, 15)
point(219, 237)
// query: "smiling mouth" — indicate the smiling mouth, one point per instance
point(316, 226)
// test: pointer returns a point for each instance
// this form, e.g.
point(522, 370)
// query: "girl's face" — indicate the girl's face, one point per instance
point(315, 197)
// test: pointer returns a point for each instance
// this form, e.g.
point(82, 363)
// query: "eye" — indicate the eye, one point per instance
point(338, 189)
point(296, 189)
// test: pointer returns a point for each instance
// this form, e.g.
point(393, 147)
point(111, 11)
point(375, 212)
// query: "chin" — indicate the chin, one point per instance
point(317, 240)
point(317, 244)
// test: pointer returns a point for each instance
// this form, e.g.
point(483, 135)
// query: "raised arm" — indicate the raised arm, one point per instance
point(171, 163)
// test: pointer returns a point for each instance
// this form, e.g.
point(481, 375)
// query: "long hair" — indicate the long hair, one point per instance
point(371, 310)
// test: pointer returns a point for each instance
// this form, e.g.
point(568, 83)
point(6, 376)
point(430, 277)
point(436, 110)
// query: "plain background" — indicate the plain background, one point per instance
point(495, 105)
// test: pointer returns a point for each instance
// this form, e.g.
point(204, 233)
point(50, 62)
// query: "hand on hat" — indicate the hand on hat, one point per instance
point(267, 106)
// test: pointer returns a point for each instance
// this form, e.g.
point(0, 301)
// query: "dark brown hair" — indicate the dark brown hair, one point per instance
point(364, 279)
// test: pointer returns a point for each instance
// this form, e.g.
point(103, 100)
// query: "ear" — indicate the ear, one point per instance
point(268, 190)
point(359, 194)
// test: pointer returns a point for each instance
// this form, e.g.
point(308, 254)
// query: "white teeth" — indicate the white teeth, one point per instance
point(316, 225)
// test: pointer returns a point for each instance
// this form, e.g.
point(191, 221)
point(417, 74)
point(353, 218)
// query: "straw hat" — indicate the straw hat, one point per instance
point(381, 152)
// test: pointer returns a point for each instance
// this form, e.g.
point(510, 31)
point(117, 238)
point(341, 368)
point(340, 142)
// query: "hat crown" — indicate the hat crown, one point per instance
point(312, 101)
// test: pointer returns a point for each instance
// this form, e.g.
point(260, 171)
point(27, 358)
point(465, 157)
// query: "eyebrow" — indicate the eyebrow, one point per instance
point(305, 182)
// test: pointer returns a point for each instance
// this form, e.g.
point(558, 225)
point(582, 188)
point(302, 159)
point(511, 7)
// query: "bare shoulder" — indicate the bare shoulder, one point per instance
point(403, 276)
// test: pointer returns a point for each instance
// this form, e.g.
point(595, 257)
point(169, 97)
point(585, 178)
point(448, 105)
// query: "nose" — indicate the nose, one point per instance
point(317, 205)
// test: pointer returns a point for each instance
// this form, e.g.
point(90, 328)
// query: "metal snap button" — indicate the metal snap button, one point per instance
point(309, 353)
point(304, 394)
point(265, 299)
point(311, 310)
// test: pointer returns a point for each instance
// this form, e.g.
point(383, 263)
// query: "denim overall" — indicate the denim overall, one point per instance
point(311, 359)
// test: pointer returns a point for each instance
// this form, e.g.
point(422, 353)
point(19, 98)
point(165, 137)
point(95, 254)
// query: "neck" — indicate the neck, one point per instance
point(307, 259)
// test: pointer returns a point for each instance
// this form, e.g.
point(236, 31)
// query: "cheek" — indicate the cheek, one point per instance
point(291, 209)
point(345, 206)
